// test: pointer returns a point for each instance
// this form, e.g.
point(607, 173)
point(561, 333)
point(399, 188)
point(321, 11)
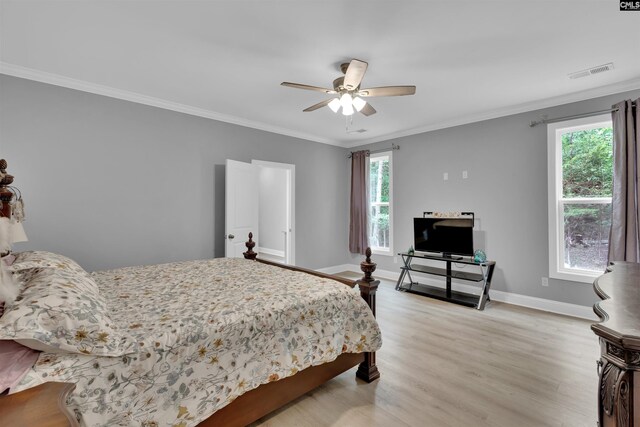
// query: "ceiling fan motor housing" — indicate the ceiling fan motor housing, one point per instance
point(338, 84)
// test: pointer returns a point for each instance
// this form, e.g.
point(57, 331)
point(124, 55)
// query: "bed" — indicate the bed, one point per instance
point(212, 342)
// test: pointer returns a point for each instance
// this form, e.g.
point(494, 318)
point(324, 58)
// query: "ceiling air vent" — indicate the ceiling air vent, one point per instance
point(591, 71)
point(357, 131)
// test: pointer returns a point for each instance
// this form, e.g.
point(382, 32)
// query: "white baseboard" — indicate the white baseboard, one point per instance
point(339, 269)
point(269, 251)
point(271, 254)
point(567, 309)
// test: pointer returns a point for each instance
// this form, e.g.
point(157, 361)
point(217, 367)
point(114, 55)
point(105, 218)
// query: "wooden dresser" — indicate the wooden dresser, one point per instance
point(619, 334)
point(42, 406)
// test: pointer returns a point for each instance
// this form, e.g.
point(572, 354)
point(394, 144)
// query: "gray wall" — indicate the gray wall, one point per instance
point(112, 183)
point(506, 187)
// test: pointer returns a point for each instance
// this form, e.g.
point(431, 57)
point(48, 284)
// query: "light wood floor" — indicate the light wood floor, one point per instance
point(448, 365)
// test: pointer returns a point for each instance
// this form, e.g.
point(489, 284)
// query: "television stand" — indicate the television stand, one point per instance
point(447, 294)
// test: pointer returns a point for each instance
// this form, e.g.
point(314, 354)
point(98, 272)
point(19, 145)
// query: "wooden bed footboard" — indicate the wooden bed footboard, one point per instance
point(367, 371)
point(265, 399)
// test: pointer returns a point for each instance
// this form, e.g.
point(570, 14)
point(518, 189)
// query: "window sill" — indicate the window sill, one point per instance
point(384, 252)
point(580, 277)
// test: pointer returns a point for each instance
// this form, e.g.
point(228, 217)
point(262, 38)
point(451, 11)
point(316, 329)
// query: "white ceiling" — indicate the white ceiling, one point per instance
point(470, 60)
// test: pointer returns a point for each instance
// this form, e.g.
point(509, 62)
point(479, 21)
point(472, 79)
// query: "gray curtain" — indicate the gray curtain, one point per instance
point(358, 234)
point(624, 238)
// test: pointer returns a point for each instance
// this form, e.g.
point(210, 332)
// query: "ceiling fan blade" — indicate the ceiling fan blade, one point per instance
point(307, 87)
point(388, 91)
point(355, 73)
point(318, 105)
point(368, 110)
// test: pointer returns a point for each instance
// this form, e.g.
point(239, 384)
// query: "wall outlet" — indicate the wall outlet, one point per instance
point(445, 176)
point(545, 281)
point(465, 175)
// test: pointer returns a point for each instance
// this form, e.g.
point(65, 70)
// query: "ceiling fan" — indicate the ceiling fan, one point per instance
point(348, 92)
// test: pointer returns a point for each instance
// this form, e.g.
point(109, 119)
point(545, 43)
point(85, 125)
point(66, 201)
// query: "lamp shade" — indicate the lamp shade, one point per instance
point(359, 103)
point(5, 234)
point(17, 233)
point(346, 100)
point(334, 105)
point(347, 110)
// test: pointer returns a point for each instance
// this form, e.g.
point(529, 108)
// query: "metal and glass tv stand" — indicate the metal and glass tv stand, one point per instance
point(447, 294)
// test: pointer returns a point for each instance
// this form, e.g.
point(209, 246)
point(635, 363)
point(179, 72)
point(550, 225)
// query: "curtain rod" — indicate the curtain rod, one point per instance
point(393, 147)
point(575, 116)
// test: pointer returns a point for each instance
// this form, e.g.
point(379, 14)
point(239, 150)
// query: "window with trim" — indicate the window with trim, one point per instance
point(580, 157)
point(380, 207)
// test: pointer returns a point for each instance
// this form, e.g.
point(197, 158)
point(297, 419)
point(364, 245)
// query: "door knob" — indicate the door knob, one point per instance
point(230, 236)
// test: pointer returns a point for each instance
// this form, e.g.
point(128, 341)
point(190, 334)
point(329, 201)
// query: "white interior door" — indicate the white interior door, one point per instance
point(284, 227)
point(241, 206)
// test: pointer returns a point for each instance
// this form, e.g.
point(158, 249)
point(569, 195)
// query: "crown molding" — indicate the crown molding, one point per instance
point(612, 89)
point(98, 89)
point(84, 86)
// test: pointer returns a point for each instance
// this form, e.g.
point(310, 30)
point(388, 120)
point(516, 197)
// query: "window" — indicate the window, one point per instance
point(380, 208)
point(580, 155)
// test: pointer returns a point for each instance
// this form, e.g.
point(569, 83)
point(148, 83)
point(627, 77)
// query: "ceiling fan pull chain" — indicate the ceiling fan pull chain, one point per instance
point(348, 122)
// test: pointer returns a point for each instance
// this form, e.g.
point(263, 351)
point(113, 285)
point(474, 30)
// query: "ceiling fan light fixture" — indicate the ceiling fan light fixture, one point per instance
point(347, 104)
point(345, 100)
point(347, 110)
point(334, 105)
point(359, 103)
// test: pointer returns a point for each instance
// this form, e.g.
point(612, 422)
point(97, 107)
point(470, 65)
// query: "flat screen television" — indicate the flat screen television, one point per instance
point(450, 236)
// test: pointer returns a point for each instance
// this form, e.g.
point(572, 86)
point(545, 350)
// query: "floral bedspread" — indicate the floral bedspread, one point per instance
point(206, 332)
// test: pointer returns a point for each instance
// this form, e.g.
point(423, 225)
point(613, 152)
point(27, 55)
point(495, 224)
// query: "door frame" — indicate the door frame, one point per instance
point(290, 249)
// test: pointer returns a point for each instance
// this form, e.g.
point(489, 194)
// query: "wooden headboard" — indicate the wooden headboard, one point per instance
point(5, 192)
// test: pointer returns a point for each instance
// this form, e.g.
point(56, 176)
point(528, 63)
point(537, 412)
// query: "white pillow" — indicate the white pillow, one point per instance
point(9, 288)
point(58, 312)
